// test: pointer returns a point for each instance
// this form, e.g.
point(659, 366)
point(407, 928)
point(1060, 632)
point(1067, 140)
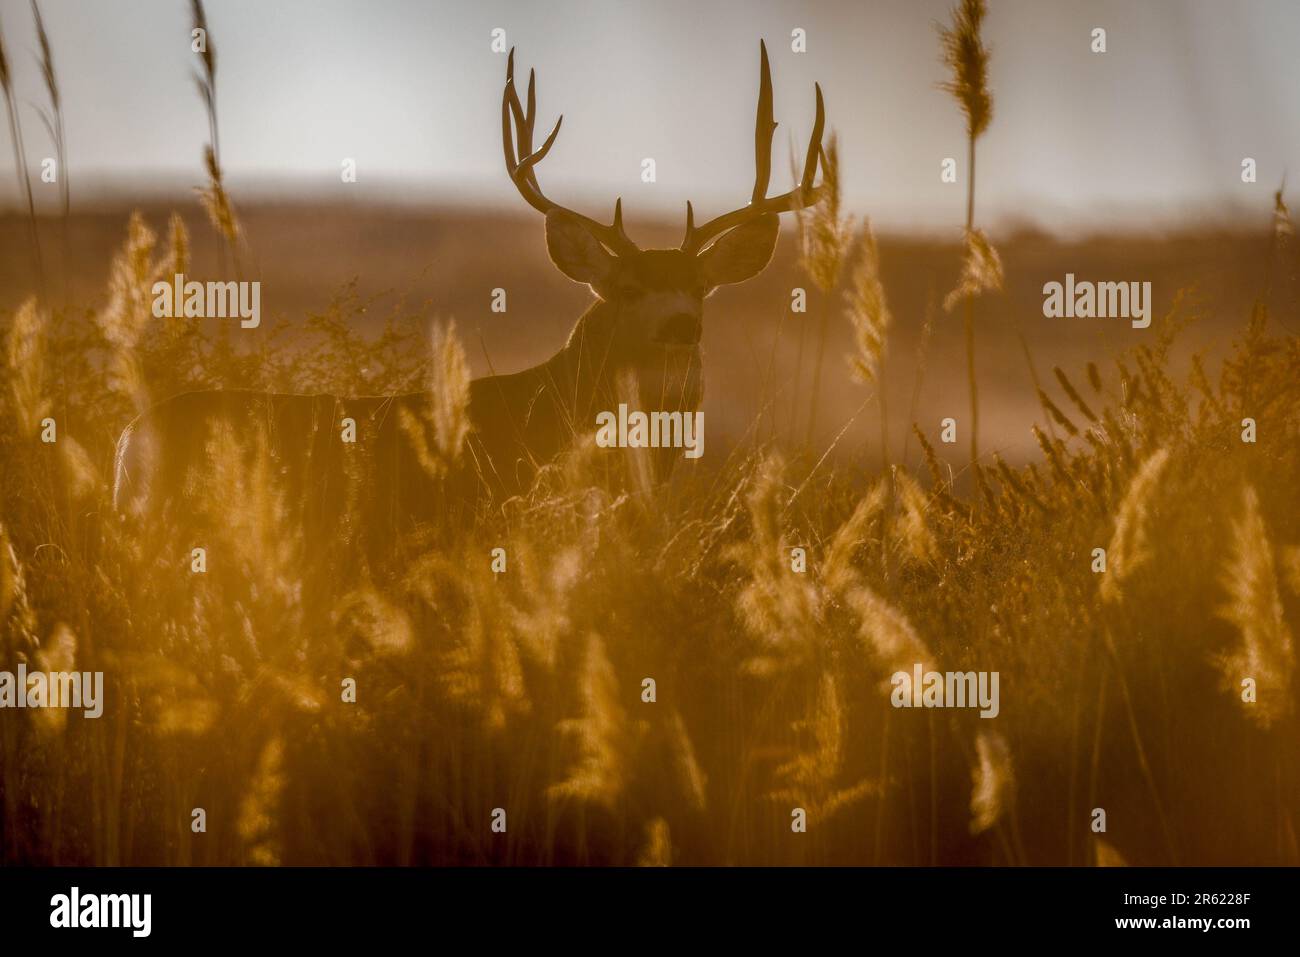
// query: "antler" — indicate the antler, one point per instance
point(521, 161)
point(802, 196)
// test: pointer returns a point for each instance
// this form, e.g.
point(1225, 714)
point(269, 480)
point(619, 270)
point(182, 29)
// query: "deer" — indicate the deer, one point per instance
point(644, 328)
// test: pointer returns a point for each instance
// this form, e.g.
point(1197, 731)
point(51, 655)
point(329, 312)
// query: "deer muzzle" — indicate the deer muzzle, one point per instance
point(682, 329)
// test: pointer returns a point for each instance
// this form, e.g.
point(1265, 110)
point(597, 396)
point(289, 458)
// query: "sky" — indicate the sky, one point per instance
point(1150, 132)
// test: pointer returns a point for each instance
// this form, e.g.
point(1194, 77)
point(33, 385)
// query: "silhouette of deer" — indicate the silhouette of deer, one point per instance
point(644, 328)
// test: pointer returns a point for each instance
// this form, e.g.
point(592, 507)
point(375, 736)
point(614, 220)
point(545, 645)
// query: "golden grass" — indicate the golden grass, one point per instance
point(439, 441)
point(981, 271)
point(523, 689)
point(867, 310)
point(1265, 651)
point(967, 59)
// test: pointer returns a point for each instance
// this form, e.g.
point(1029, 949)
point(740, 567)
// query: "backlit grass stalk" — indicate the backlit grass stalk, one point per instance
point(20, 161)
point(1280, 237)
point(215, 200)
point(869, 316)
point(1130, 550)
point(825, 236)
point(1264, 652)
point(966, 56)
point(53, 118)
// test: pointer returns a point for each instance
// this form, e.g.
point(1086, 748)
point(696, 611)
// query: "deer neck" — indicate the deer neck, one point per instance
point(595, 372)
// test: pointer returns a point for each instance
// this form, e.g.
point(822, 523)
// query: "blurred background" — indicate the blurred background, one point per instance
point(1148, 133)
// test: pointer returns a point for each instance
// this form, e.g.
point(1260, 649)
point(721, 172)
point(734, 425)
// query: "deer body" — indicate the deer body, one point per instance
point(639, 343)
point(518, 422)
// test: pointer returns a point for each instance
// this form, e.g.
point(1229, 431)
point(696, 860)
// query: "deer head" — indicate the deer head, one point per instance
point(654, 298)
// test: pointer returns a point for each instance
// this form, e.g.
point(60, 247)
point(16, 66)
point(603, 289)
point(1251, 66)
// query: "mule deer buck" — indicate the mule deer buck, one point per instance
point(644, 327)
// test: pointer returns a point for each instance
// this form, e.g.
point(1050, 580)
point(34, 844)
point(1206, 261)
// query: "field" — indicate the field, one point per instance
point(607, 669)
point(523, 690)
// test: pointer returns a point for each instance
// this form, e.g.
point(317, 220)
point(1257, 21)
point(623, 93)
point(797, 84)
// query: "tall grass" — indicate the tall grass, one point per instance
point(20, 159)
point(528, 688)
point(868, 314)
point(53, 117)
point(524, 690)
point(214, 197)
point(967, 58)
point(825, 235)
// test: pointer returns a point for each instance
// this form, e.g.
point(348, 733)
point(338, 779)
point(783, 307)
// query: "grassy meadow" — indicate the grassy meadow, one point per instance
point(524, 690)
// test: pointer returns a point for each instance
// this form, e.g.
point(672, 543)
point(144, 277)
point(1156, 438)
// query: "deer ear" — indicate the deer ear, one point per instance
point(742, 253)
point(574, 250)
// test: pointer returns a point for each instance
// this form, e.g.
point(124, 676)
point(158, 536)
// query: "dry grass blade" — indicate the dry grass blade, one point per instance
point(824, 231)
point(448, 408)
point(20, 159)
point(600, 735)
point(1282, 225)
point(777, 607)
point(658, 848)
point(993, 779)
point(840, 572)
point(25, 358)
point(810, 779)
point(967, 58)
point(1264, 653)
point(1074, 395)
point(910, 526)
point(886, 632)
point(1130, 545)
point(216, 201)
point(981, 271)
point(868, 310)
point(259, 811)
point(54, 120)
point(214, 198)
point(207, 80)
